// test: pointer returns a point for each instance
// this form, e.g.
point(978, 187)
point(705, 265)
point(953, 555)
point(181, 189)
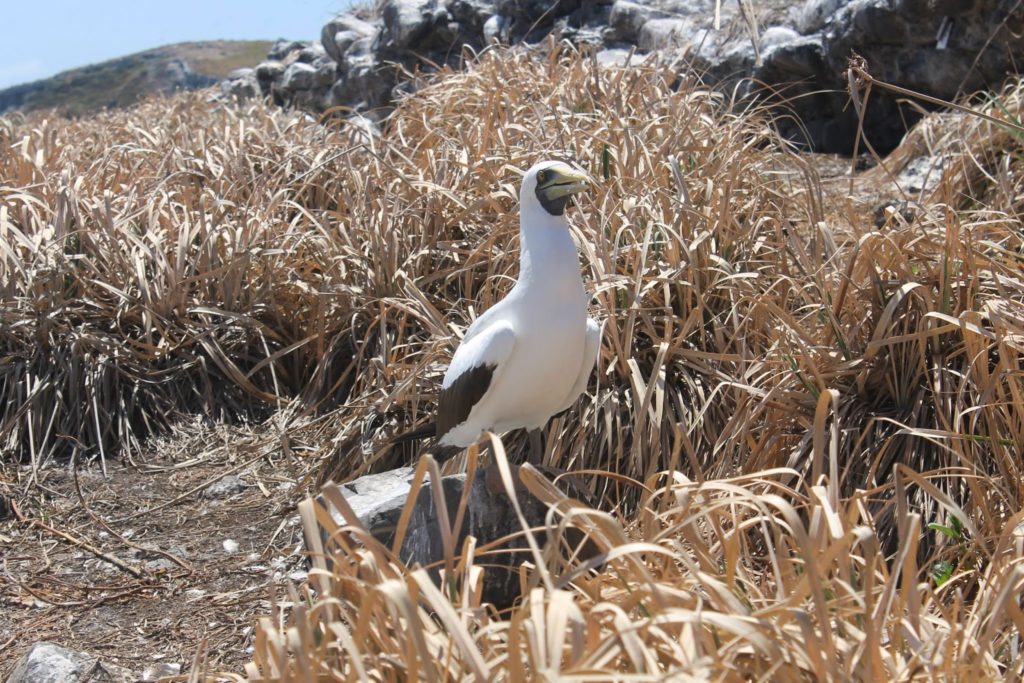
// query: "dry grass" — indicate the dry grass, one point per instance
point(831, 389)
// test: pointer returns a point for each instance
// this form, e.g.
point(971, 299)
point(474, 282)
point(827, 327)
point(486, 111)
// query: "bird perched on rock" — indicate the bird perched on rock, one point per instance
point(529, 356)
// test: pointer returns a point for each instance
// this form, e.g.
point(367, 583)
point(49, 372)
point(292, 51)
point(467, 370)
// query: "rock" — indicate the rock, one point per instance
point(242, 73)
point(269, 71)
point(896, 211)
point(224, 488)
point(311, 53)
point(342, 41)
point(543, 12)
point(50, 663)
point(378, 501)
point(155, 672)
point(627, 19)
point(406, 21)
point(941, 48)
point(343, 30)
point(795, 60)
point(298, 76)
point(922, 174)
point(326, 73)
point(178, 75)
point(777, 36)
point(497, 29)
point(814, 13)
point(932, 46)
point(240, 84)
point(615, 57)
point(368, 494)
point(666, 35)
point(282, 49)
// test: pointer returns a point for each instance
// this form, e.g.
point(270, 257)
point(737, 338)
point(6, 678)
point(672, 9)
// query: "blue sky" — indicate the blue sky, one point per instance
point(43, 37)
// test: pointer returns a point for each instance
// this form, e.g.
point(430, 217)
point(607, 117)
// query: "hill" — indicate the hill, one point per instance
point(124, 81)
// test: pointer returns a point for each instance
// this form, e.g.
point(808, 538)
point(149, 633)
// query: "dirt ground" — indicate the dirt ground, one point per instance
point(193, 538)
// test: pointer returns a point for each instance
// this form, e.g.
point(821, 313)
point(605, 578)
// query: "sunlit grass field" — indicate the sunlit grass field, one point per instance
point(804, 432)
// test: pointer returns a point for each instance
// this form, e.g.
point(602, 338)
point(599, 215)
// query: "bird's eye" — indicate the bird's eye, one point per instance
point(542, 177)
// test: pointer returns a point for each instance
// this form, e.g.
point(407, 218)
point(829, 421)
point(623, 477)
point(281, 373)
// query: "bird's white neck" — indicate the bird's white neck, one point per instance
point(548, 261)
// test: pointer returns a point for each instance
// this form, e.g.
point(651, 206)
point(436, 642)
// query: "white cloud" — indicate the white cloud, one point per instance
point(21, 72)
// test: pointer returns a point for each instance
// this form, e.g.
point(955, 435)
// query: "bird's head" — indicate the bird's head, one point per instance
point(551, 184)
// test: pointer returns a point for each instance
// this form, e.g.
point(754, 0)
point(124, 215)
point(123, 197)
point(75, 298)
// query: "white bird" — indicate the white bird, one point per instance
point(530, 355)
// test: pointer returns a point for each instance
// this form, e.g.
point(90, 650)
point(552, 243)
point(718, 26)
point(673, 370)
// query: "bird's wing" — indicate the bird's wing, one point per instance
point(481, 322)
point(471, 374)
point(590, 349)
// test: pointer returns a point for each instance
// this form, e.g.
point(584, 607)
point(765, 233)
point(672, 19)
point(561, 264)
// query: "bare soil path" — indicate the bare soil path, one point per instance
point(196, 537)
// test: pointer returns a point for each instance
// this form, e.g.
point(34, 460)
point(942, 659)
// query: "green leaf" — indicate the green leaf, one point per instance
point(942, 572)
point(950, 531)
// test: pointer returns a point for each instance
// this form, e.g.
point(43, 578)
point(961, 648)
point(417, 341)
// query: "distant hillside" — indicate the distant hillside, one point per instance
point(123, 81)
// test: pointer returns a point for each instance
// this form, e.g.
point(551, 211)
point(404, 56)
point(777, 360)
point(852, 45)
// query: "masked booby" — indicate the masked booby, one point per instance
point(530, 355)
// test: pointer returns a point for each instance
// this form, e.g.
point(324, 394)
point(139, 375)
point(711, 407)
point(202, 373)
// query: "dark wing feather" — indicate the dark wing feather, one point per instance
point(458, 399)
point(440, 453)
point(424, 432)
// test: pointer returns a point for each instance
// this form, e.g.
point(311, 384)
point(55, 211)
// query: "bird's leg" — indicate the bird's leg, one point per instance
point(536, 446)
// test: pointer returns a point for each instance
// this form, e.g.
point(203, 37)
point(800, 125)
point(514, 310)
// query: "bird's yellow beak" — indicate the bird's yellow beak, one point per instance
point(560, 182)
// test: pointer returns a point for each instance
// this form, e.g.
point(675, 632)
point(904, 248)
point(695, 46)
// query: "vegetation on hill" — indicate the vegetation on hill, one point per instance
point(126, 80)
point(805, 428)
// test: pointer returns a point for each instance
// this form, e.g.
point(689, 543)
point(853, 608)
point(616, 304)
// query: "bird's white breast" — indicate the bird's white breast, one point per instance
point(544, 365)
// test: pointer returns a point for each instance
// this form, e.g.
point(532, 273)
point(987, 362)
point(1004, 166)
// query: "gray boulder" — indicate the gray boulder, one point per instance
point(407, 21)
point(944, 48)
point(326, 73)
point(373, 495)
point(50, 663)
point(815, 13)
point(627, 19)
point(496, 28)
point(777, 36)
point(660, 35)
point(269, 71)
point(341, 42)
point(311, 53)
point(224, 488)
point(343, 30)
point(378, 501)
point(241, 84)
point(298, 76)
point(283, 49)
point(178, 75)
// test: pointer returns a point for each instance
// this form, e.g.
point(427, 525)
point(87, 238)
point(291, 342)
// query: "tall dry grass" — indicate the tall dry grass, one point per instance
point(738, 579)
point(844, 399)
point(814, 424)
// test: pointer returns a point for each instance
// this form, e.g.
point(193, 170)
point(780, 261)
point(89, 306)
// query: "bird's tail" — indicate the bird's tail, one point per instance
point(425, 432)
point(440, 452)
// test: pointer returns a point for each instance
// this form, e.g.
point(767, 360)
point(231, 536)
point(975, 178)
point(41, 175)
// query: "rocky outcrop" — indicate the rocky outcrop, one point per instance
point(378, 500)
point(796, 55)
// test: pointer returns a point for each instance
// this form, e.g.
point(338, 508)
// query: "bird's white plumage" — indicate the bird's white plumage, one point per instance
point(538, 339)
point(491, 346)
point(590, 349)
